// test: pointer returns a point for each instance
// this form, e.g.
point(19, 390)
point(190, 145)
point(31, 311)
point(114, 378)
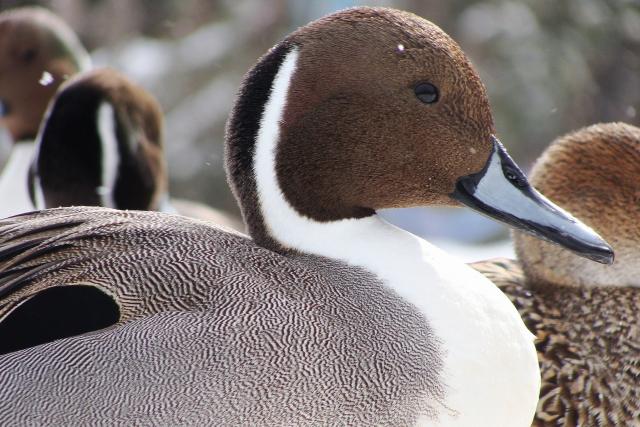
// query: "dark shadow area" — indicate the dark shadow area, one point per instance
point(56, 313)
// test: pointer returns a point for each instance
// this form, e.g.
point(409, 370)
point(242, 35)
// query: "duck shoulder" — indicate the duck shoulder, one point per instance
point(213, 328)
point(588, 344)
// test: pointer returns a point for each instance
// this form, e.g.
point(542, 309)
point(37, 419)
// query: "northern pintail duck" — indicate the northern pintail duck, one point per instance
point(101, 144)
point(38, 51)
point(586, 317)
point(329, 315)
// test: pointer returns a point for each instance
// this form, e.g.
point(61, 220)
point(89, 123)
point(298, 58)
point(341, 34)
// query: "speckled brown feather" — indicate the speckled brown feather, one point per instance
point(215, 331)
point(593, 173)
point(588, 342)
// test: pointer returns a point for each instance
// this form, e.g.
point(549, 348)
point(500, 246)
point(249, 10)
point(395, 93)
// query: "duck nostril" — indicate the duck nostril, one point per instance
point(515, 178)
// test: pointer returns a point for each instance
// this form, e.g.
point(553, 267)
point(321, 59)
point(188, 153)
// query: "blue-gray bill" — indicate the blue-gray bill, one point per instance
point(501, 191)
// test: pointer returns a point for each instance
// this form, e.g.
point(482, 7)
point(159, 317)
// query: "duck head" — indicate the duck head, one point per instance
point(381, 109)
point(37, 53)
point(592, 172)
point(100, 144)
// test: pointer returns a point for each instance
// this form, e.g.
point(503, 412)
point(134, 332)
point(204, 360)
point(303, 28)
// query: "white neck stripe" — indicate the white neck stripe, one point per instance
point(14, 190)
point(38, 191)
point(110, 155)
point(283, 222)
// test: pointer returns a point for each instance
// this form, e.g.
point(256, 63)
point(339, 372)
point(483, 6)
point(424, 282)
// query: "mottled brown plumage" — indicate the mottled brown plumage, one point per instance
point(594, 173)
point(586, 317)
point(588, 342)
point(34, 41)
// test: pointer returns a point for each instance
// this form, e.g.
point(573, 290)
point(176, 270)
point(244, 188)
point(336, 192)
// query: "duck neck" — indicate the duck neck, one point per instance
point(69, 166)
point(460, 305)
point(253, 135)
point(13, 180)
point(358, 241)
point(102, 164)
point(242, 131)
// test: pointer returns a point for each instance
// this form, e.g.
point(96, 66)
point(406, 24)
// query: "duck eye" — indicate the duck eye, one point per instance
point(28, 55)
point(426, 92)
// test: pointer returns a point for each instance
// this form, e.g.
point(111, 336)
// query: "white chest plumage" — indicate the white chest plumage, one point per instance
point(490, 371)
point(14, 191)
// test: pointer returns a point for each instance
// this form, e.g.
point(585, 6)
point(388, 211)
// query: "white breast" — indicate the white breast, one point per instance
point(14, 189)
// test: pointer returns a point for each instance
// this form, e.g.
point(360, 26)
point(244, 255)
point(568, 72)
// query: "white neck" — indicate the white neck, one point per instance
point(491, 370)
point(38, 191)
point(14, 190)
point(165, 205)
point(6, 143)
point(110, 155)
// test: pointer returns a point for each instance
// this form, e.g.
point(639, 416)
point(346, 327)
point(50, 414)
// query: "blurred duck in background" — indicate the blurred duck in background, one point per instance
point(101, 144)
point(586, 316)
point(38, 52)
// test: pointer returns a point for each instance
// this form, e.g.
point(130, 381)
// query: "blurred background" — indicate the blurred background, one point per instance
point(549, 67)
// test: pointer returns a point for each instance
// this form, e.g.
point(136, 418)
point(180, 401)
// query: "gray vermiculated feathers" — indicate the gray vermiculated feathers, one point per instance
point(214, 330)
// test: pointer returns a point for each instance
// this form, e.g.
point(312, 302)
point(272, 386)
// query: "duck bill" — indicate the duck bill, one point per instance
point(501, 191)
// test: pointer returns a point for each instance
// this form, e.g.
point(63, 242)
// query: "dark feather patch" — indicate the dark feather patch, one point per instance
point(241, 133)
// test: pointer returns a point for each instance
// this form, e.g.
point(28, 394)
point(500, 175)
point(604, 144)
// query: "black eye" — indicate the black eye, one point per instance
point(426, 92)
point(28, 55)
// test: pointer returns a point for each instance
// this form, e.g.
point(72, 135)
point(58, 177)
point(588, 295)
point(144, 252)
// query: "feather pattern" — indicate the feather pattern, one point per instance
point(341, 343)
point(588, 343)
